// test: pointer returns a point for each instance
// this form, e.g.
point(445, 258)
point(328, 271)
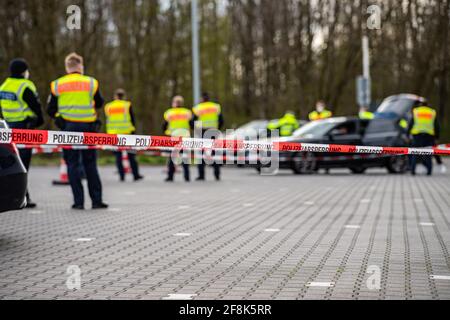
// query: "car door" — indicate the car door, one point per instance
point(347, 133)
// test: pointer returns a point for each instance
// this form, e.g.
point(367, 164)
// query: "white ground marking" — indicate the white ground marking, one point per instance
point(352, 227)
point(181, 234)
point(247, 205)
point(36, 211)
point(272, 230)
point(320, 284)
point(184, 207)
point(114, 210)
point(309, 203)
point(366, 200)
point(427, 224)
point(418, 200)
point(185, 192)
point(84, 239)
point(435, 277)
point(180, 297)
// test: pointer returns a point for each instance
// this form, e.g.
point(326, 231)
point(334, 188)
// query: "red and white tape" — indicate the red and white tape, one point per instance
point(72, 139)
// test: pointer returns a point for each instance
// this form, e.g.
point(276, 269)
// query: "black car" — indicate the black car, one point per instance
point(347, 131)
point(13, 177)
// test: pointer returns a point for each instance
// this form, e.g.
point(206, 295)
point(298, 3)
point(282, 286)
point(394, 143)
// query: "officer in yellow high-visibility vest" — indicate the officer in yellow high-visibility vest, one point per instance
point(365, 114)
point(120, 120)
point(20, 106)
point(320, 113)
point(74, 101)
point(424, 128)
point(208, 118)
point(178, 122)
point(286, 125)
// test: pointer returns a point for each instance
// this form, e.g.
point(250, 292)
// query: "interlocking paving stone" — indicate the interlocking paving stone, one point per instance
point(229, 254)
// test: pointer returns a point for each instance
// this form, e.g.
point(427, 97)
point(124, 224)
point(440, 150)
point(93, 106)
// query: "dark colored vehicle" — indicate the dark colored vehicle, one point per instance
point(13, 177)
point(347, 131)
point(398, 107)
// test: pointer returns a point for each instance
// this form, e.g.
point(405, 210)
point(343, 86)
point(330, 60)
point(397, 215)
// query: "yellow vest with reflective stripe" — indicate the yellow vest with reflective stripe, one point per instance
point(118, 118)
point(179, 122)
point(75, 93)
point(424, 119)
point(14, 109)
point(208, 114)
point(366, 115)
point(314, 116)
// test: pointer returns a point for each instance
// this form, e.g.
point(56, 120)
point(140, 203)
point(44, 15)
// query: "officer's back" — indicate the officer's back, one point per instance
point(74, 102)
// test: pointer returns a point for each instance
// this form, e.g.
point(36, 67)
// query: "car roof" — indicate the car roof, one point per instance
point(408, 96)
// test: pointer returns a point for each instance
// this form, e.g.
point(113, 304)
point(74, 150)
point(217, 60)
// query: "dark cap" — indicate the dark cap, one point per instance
point(18, 66)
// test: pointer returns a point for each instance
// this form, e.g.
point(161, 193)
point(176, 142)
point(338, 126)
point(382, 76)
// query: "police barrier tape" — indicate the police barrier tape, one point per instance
point(64, 139)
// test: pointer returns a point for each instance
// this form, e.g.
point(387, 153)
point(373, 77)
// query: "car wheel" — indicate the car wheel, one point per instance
point(358, 170)
point(304, 163)
point(397, 165)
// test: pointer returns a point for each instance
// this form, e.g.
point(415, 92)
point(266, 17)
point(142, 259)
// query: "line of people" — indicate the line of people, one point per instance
point(74, 105)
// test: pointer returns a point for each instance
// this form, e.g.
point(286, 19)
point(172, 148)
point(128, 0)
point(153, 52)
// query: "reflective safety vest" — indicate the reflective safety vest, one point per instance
point(179, 120)
point(208, 114)
point(75, 93)
point(403, 124)
point(315, 115)
point(424, 119)
point(14, 109)
point(366, 115)
point(118, 117)
point(287, 125)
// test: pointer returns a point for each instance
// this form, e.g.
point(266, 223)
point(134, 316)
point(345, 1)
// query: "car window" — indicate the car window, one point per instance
point(380, 126)
point(398, 106)
point(316, 129)
point(347, 128)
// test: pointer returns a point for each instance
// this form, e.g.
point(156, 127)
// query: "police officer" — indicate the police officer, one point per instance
point(74, 101)
point(286, 125)
point(178, 123)
point(208, 118)
point(20, 106)
point(320, 113)
point(120, 120)
point(365, 114)
point(424, 128)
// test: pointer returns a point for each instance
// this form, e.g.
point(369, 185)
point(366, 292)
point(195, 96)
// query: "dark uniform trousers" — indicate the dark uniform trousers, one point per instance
point(172, 169)
point(133, 164)
point(422, 140)
point(202, 165)
point(89, 163)
point(25, 154)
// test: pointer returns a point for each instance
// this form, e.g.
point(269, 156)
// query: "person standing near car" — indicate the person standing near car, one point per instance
point(424, 128)
point(120, 120)
point(74, 101)
point(286, 125)
point(20, 107)
point(320, 113)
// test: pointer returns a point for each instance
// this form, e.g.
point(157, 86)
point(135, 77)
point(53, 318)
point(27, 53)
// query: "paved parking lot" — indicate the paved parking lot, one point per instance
point(248, 237)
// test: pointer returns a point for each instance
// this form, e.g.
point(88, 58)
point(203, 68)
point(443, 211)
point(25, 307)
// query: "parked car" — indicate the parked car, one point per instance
point(346, 131)
point(13, 177)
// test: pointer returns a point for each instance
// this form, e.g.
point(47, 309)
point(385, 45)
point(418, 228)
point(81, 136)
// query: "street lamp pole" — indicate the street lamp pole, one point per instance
point(195, 52)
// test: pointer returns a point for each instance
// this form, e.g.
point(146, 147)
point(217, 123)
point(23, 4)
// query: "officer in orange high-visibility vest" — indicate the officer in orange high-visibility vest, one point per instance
point(120, 120)
point(74, 101)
